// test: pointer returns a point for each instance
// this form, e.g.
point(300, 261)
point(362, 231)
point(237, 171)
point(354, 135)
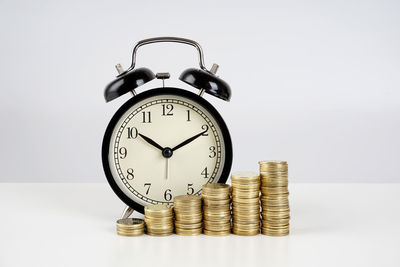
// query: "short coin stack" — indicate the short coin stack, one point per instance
point(188, 215)
point(246, 203)
point(274, 198)
point(159, 220)
point(130, 227)
point(216, 209)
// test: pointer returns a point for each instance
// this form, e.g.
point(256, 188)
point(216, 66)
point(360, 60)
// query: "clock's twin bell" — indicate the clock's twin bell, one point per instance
point(202, 79)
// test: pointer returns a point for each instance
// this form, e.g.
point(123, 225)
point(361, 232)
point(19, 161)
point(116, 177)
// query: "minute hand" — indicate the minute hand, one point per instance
point(187, 141)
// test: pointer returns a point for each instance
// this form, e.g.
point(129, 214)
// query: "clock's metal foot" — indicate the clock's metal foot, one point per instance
point(127, 212)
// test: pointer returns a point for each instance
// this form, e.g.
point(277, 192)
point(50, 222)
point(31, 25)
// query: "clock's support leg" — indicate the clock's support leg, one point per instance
point(213, 70)
point(127, 212)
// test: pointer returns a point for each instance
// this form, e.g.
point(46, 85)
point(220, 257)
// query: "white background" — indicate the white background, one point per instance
point(314, 82)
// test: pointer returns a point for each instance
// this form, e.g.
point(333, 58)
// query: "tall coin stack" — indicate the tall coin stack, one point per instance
point(274, 198)
point(246, 203)
point(188, 215)
point(216, 209)
point(159, 220)
point(130, 227)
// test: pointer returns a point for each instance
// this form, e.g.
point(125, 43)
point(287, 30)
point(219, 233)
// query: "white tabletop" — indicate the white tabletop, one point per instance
point(74, 225)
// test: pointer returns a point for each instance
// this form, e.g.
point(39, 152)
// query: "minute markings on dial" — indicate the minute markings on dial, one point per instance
point(142, 108)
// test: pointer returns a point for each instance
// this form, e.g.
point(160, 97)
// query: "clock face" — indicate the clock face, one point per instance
point(164, 143)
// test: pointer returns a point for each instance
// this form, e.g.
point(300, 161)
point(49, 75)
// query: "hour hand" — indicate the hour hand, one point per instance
point(151, 142)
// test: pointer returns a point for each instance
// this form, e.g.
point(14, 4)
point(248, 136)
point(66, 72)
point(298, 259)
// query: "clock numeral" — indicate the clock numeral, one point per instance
point(132, 132)
point(167, 195)
point(205, 128)
point(148, 188)
point(212, 152)
point(167, 110)
point(146, 116)
point(205, 173)
point(129, 174)
point(123, 152)
point(190, 189)
point(188, 115)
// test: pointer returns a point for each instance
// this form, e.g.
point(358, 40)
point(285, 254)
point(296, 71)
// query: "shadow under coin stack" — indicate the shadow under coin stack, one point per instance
point(159, 220)
point(246, 203)
point(216, 209)
point(274, 198)
point(188, 215)
point(130, 227)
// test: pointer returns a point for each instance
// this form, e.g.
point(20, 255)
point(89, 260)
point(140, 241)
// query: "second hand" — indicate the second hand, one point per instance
point(167, 169)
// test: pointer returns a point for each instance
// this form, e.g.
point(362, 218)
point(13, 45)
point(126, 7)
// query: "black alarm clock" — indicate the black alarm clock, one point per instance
point(166, 141)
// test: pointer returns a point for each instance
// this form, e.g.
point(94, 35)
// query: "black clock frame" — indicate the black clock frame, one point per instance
point(156, 92)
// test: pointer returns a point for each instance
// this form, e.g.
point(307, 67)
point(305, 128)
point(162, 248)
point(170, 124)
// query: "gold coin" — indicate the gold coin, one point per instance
point(160, 231)
point(271, 200)
point(188, 214)
point(216, 197)
point(157, 210)
point(133, 232)
point(217, 217)
point(158, 219)
point(245, 220)
point(187, 199)
point(217, 222)
point(182, 225)
point(191, 232)
point(216, 233)
point(159, 234)
point(273, 175)
point(275, 221)
point(247, 201)
point(240, 177)
point(241, 195)
point(269, 233)
point(245, 233)
point(246, 225)
point(243, 212)
point(218, 208)
point(212, 227)
point(247, 185)
point(272, 227)
point(130, 233)
point(218, 187)
point(210, 202)
point(245, 206)
point(273, 163)
point(130, 222)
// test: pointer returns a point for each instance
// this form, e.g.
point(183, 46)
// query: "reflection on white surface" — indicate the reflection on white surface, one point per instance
point(55, 230)
point(203, 250)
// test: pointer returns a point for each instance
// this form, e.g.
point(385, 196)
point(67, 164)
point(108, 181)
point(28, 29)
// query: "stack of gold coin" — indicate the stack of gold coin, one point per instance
point(159, 220)
point(130, 227)
point(188, 215)
point(246, 203)
point(216, 209)
point(274, 198)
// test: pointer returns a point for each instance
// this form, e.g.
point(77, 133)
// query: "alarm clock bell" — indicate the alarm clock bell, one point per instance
point(202, 79)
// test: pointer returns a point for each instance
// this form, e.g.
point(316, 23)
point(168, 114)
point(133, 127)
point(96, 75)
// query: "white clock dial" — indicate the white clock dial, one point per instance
point(148, 128)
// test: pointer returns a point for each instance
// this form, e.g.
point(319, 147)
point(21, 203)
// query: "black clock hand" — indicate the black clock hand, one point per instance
point(151, 142)
point(187, 141)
